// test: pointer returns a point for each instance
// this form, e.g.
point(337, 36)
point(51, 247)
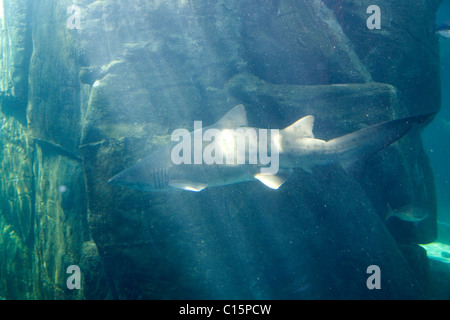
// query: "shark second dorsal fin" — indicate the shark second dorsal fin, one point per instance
point(236, 117)
point(303, 128)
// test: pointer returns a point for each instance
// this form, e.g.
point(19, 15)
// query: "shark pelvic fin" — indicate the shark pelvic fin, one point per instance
point(273, 181)
point(236, 117)
point(303, 128)
point(188, 185)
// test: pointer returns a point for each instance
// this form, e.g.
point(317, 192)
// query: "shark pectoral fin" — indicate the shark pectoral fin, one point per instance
point(188, 185)
point(273, 181)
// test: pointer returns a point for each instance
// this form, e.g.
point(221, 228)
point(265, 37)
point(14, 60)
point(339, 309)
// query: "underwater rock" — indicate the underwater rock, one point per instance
point(54, 111)
point(338, 109)
point(298, 42)
point(16, 213)
point(15, 266)
point(404, 52)
point(17, 177)
point(352, 237)
point(61, 225)
point(14, 58)
point(43, 199)
point(101, 97)
point(94, 282)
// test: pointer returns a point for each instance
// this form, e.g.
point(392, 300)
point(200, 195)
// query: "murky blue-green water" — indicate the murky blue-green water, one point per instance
point(89, 89)
point(438, 133)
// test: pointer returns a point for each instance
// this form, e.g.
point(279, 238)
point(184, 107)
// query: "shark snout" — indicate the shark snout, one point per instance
point(127, 178)
point(113, 180)
point(117, 180)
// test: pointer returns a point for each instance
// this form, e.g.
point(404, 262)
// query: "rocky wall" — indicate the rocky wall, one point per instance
point(99, 97)
point(43, 198)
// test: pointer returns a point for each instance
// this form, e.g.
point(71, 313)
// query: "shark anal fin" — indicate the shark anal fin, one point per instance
point(273, 181)
point(188, 185)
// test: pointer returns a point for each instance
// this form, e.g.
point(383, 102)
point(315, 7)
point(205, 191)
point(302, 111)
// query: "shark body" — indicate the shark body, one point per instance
point(296, 147)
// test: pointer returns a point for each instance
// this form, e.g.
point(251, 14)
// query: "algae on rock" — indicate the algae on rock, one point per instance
point(79, 106)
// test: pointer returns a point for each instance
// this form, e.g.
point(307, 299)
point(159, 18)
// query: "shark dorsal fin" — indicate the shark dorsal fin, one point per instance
point(303, 128)
point(236, 117)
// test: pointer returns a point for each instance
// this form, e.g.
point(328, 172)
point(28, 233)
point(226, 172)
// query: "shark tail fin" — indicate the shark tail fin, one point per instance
point(354, 148)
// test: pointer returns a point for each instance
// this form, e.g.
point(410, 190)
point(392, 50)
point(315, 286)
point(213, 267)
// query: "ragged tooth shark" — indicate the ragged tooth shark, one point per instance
point(444, 30)
point(236, 148)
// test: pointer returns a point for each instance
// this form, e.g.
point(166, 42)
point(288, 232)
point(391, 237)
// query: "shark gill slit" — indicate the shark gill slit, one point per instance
point(160, 178)
point(155, 179)
point(165, 178)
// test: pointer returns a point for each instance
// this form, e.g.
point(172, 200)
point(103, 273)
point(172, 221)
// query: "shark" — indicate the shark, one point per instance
point(294, 147)
point(444, 30)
